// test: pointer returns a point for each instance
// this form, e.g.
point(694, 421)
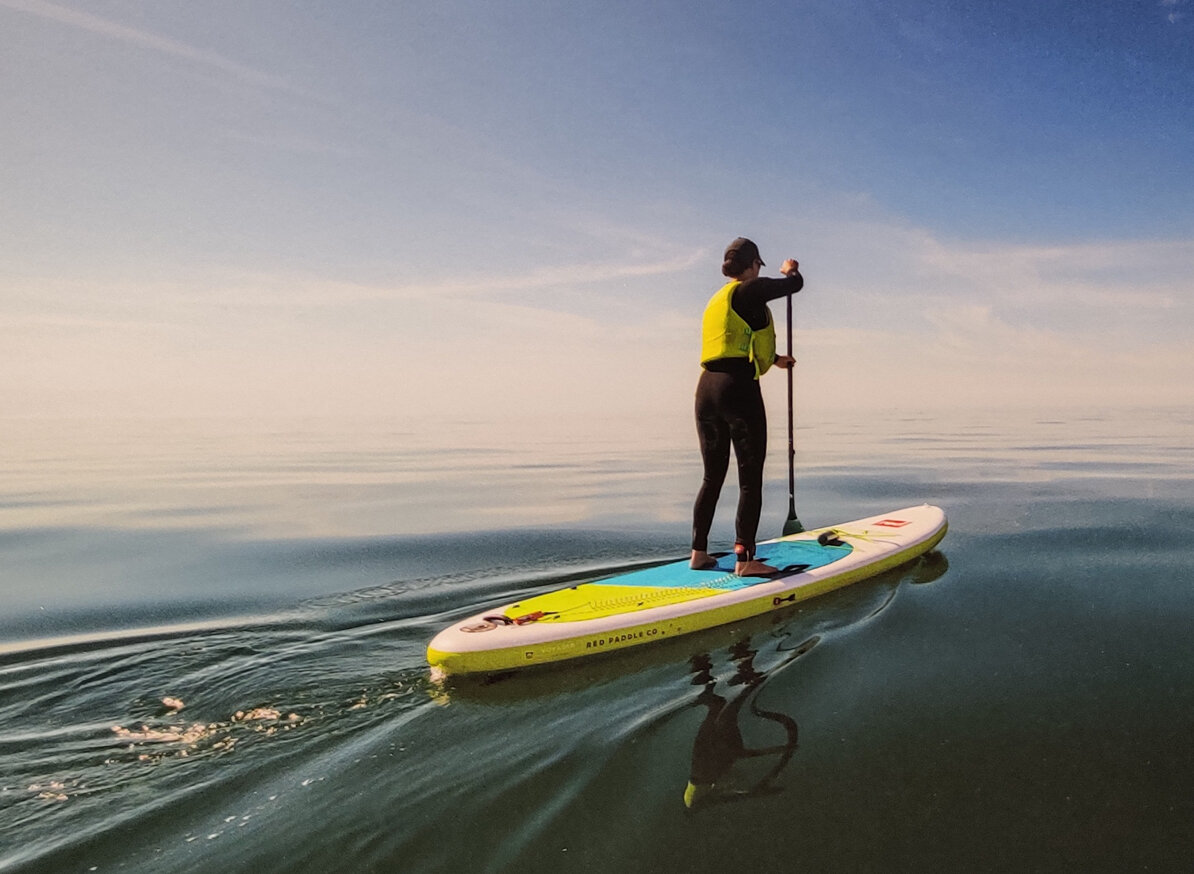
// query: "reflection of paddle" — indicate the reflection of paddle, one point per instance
point(792, 525)
point(785, 750)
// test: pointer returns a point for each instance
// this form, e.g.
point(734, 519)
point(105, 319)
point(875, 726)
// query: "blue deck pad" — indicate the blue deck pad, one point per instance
point(796, 554)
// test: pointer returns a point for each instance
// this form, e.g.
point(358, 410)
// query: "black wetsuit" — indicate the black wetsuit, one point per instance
point(729, 411)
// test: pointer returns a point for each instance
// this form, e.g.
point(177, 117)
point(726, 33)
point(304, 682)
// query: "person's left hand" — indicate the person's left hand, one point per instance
point(784, 361)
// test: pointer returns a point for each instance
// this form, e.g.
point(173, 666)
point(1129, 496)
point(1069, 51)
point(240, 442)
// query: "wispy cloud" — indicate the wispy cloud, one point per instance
point(268, 290)
point(64, 302)
point(292, 143)
point(1140, 274)
point(146, 40)
point(547, 277)
point(924, 322)
point(904, 264)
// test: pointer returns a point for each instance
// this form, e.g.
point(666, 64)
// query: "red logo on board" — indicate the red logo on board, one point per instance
point(892, 523)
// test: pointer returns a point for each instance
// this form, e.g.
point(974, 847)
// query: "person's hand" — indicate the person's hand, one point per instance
point(784, 361)
point(790, 266)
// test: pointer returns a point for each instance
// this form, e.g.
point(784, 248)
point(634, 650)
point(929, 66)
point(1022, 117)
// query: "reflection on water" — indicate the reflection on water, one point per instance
point(228, 672)
point(122, 524)
point(327, 479)
point(719, 744)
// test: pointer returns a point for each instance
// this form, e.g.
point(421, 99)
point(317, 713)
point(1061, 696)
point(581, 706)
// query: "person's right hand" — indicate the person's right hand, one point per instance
point(790, 266)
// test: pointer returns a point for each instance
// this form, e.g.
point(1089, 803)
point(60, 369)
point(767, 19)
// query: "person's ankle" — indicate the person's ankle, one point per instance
point(753, 568)
point(746, 565)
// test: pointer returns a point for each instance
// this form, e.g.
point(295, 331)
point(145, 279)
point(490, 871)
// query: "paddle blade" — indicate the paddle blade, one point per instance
point(792, 526)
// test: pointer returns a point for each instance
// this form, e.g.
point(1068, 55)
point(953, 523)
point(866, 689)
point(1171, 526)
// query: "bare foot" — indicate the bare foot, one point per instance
point(702, 561)
point(754, 568)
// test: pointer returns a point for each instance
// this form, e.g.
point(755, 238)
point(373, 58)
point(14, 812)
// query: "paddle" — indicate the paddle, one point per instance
point(792, 525)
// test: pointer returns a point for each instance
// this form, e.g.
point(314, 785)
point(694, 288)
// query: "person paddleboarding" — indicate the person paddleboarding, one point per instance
point(737, 347)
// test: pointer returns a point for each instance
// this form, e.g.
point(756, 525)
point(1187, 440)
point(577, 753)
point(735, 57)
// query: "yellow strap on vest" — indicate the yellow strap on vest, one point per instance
point(724, 334)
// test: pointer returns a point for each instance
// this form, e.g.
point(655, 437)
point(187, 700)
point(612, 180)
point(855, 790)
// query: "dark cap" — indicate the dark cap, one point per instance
point(743, 251)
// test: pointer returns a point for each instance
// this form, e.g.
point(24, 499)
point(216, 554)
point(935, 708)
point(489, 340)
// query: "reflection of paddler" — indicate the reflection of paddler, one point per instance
point(719, 742)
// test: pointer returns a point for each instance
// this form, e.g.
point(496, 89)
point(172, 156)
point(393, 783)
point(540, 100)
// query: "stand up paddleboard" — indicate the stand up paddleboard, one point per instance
point(672, 599)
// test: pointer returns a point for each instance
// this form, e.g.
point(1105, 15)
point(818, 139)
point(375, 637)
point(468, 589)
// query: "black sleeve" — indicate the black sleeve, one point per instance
point(751, 299)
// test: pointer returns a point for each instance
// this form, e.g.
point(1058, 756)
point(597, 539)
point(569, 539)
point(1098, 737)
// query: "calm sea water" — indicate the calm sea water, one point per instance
point(212, 641)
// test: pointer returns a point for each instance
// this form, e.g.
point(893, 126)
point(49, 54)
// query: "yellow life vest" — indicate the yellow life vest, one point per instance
point(724, 333)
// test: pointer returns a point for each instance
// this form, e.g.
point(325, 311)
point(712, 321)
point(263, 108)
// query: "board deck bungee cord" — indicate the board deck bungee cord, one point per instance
point(663, 602)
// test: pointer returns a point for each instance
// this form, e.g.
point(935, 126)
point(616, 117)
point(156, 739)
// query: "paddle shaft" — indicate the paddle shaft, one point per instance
point(791, 427)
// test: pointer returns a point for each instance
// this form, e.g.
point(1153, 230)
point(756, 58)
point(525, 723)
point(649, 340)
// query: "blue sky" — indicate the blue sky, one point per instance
point(421, 209)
